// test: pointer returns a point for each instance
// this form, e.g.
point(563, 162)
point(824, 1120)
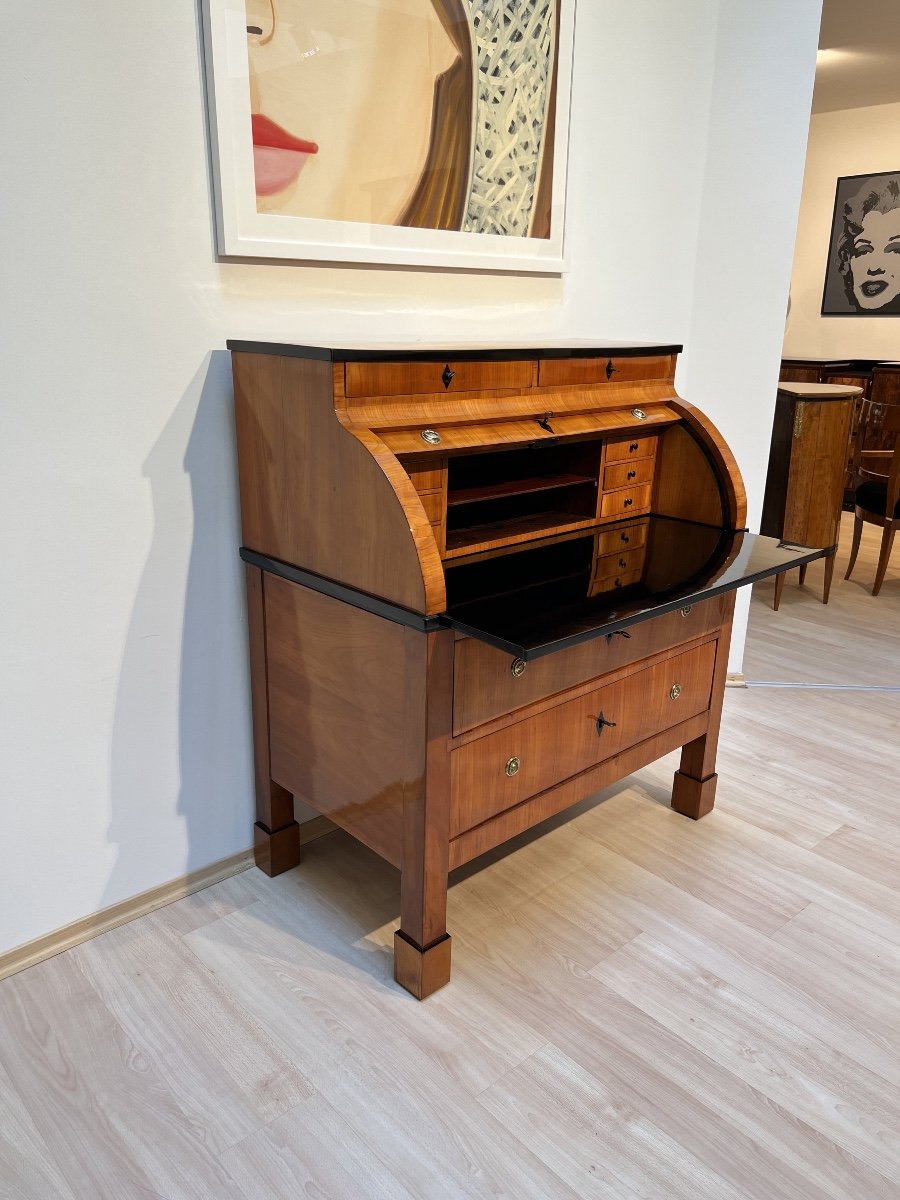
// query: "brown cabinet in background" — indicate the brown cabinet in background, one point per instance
point(807, 465)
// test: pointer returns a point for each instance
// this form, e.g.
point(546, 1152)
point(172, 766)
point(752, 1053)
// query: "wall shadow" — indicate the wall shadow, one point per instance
point(181, 742)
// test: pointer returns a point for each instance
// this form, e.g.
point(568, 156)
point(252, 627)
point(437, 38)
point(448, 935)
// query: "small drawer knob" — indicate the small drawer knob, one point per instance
point(431, 436)
point(625, 538)
point(675, 692)
point(639, 414)
point(628, 503)
point(512, 767)
point(632, 447)
point(518, 667)
point(687, 610)
point(623, 562)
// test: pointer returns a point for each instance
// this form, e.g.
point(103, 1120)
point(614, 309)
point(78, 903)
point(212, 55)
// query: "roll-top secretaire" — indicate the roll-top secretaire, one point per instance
point(483, 583)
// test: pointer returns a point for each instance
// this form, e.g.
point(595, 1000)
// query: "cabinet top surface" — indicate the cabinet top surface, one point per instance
point(459, 351)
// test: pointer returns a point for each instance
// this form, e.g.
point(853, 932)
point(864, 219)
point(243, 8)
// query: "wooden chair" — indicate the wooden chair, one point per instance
point(876, 481)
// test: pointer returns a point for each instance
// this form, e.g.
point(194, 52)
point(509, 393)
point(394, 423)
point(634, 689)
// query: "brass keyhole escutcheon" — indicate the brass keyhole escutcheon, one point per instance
point(687, 610)
point(512, 767)
point(675, 692)
point(518, 667)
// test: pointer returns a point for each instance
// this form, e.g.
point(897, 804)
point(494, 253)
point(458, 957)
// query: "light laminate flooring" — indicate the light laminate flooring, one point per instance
point(641, 1006)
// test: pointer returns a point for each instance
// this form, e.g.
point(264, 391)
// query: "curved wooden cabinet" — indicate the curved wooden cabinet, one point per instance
point(482, 584)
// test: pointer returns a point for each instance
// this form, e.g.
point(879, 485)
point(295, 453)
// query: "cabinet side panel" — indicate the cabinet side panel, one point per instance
point(346, 711)
point(312, 494)
point(686, 484)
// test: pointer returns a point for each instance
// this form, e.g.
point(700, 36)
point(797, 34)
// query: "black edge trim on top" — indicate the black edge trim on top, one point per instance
point(340, 591)
point(441, 354)
point(659, 610)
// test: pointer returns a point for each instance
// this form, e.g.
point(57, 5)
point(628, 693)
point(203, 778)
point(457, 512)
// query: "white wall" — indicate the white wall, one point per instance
point(855, 141)
point(125, 727)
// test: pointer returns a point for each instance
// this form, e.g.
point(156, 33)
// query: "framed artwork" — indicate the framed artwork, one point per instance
point(417, 132)
point(862, 276)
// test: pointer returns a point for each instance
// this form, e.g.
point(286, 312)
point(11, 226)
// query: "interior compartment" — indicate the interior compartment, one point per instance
point(508, 493)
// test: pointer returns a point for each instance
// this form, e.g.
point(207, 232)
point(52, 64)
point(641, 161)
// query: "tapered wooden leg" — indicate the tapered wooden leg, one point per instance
point(887, 541)
point(422, 944)
point(803, 574)
point(276, 835)
point(779, 588)
point(829, 575)
point(694, 787)
point(854, 549)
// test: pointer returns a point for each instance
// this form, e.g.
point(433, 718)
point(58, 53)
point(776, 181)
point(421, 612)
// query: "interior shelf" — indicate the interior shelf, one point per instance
point(507, 532)
point(515, 487)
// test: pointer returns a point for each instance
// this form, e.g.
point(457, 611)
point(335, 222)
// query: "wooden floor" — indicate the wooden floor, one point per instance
point(641, 1007)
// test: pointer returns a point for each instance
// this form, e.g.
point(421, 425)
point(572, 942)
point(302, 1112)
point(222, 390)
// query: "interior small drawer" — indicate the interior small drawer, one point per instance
point(418, 378)
point(623, 537)
point(611, 583)
point(627, 474)
point(634, 447)
point(554, 372)
point(501, 770)
point(427, 473)
point(611, 565)
point(433, 503)
point(625, 501)
point(488, 683)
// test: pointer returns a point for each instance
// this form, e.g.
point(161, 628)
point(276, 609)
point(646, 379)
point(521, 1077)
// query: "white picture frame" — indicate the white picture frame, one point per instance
point(244, 232)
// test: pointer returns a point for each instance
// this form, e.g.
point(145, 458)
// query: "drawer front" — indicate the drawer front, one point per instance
point(417, 378)
point(433, 503)
point(501, 770)
point(627, 474)
point(427, 475)
point(634, 447)
point(612, 565)
point(625, 501)
point(554, 372)
point(484, 686)
point(612, 583)
point(627, 537)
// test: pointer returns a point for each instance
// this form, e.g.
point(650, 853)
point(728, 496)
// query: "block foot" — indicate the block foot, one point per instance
point(694, 798)
point(421, 972)
point(276, 852)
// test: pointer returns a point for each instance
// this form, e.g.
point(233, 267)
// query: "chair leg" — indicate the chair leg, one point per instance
point(887, 541)
point(803, 574)
point(779, 588)
point(854, 549)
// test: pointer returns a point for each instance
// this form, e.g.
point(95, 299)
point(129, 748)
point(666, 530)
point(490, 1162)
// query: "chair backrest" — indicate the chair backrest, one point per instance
point(874, 454)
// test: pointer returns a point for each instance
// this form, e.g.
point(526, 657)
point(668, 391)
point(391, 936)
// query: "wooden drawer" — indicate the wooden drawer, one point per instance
point(553, 372)
point(427, 475)
point(433, 503)
point(623, 537)
point(417, 378)
point(611, 565)
point(627, 474)
point(548, 748)
point(613, 582)
point(484, 686)
point(634, 447)
point(625, 501)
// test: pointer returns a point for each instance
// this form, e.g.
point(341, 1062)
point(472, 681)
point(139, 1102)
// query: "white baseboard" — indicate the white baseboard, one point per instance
point(31, 953)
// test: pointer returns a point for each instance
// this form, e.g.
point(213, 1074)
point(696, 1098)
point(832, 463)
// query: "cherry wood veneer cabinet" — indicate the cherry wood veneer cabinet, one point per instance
point(482, 584)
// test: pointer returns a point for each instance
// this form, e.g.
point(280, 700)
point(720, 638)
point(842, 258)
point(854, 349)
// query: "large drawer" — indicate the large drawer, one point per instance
point(499, 771)
point(485, 686)
point(441, 378)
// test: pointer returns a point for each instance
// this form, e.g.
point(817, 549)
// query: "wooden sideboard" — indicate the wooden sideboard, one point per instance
point(483, 583)
point(807, 464)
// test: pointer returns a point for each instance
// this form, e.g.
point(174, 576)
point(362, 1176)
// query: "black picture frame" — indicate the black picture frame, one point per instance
point(850, 292)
